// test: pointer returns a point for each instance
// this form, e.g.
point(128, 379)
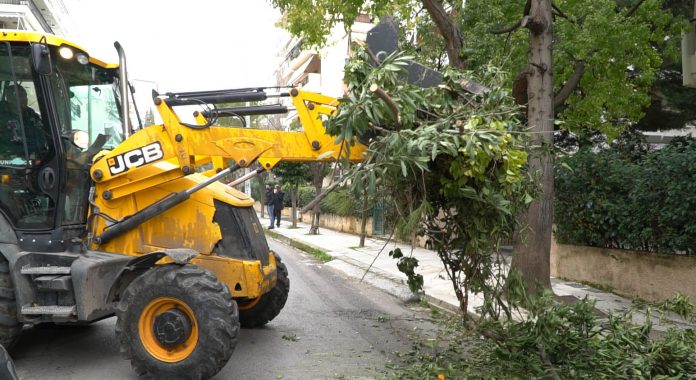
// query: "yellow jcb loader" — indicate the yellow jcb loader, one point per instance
point(99, 216)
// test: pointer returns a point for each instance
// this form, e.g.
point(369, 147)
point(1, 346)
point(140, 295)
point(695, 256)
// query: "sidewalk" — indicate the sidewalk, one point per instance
point(384, 274)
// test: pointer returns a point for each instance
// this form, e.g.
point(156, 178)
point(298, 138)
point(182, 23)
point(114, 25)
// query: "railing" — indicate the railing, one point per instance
point(295, 51)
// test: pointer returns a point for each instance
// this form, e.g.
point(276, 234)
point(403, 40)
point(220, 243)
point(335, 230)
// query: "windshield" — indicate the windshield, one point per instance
point(87, 98)
point(93, 109)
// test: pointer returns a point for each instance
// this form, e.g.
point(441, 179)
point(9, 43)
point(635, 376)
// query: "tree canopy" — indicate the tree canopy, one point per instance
point(608, 54)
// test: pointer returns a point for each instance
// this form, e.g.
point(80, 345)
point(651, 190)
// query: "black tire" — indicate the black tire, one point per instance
point(216, 317)
point(10, 327)
point(271, 303)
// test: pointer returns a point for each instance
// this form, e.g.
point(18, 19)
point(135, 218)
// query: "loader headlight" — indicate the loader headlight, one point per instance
point(82, 59)
point(65, 52)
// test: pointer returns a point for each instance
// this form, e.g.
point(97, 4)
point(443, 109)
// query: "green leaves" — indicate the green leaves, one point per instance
point(454, 166)
point(624, 197)
point(570, 341)
point(407, 266)
point(293, 173)
point(623, 54)
point(361, 108)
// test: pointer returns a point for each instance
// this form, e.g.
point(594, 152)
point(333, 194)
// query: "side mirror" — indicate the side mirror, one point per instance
point(41, 59)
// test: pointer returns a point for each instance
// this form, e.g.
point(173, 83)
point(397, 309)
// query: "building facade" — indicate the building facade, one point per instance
point(48, 16)
point(319, 70)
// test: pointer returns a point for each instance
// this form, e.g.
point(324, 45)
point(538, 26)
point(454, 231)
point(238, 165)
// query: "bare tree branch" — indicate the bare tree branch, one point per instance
point(634, 8)
point(559, 12)
point(570, 85)
point(510, 28)
point(449, 31)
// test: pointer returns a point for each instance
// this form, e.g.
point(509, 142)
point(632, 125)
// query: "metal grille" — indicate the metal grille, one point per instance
point(378, 218)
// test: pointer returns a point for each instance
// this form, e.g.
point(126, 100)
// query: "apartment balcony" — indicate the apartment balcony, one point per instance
point(48, 16)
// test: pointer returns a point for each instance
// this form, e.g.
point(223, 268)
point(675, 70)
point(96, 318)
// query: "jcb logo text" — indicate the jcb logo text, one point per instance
point(135, 158)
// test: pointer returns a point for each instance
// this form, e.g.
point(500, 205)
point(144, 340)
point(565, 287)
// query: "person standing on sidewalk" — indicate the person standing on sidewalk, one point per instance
point(277, 204)
point(269, 202)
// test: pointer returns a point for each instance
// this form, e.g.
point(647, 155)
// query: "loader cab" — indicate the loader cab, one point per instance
point(54, 116)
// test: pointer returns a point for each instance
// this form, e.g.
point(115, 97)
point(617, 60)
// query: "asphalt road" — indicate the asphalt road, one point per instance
point(331, 327)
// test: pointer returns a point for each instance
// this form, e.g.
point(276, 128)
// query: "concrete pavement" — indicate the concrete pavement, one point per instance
point(383, 273)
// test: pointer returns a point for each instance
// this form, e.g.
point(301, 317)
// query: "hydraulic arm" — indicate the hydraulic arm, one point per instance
point(125, 168)
point(157, 155)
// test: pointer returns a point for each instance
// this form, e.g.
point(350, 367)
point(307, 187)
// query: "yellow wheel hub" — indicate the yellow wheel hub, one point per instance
point(244, 306)
point(168, 329)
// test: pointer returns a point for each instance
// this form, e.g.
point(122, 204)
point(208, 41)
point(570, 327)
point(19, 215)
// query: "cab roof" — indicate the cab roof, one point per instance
point(33, 37)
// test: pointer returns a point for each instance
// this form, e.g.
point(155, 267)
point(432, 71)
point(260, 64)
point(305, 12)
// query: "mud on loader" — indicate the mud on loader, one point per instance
point(100, 217)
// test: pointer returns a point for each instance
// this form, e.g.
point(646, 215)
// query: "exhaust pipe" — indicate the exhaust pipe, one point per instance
point(123, 84)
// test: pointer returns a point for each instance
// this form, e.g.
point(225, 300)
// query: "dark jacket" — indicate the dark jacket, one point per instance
point(278, 200)
point(268, 199)
point(12, 142)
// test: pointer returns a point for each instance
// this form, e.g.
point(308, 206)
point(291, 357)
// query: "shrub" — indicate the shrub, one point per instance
point(341, 202)
point(305, 194)
point(613, 200)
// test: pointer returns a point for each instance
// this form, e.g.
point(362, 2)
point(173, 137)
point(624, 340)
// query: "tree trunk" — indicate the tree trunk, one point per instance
point(314, 227)
point(449, 31)
point(363, 220)
point(293, 199)
point(532, 251)
point(318, 171)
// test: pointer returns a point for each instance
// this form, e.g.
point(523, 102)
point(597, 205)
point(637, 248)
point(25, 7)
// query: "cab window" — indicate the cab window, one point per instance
point(26, 146)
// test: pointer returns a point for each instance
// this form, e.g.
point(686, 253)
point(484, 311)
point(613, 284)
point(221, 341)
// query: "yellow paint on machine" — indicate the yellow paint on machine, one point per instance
point(244, 278)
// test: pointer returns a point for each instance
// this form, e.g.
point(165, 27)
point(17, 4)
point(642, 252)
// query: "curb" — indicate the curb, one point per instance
point(382, 281)
point(313, 250)
point(441, 305)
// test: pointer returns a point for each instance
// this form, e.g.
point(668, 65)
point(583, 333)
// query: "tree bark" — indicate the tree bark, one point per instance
point(293, 199)
point(570, 85)
point(532, 248)
point(449, 31)
point(363, 220)
point(318, 171)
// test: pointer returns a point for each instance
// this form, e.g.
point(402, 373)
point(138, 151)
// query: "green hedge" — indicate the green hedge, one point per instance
point(614, 200)
point(341, 202)
point(305, 195)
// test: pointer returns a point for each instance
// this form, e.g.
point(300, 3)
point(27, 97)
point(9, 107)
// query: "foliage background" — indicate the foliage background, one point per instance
point(629, 197)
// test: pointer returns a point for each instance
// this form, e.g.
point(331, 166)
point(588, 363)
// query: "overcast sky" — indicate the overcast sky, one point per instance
point(183, 45)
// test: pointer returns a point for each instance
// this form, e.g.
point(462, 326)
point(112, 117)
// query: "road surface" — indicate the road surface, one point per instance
point(332, 327)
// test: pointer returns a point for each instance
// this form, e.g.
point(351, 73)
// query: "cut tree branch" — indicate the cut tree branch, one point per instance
point(570, 85)
point(387, 99)
point(449, 31)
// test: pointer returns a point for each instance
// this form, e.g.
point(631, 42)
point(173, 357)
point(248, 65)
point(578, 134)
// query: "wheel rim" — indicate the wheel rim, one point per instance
point(244, 306)
point(153, 321)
